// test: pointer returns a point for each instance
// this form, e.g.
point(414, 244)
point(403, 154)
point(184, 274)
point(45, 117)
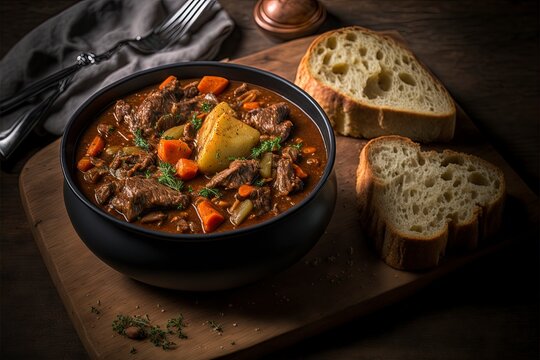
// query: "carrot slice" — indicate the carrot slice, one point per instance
point(245, 190)
point(84, 164)
point(212, 84)
point(96, 146)
point(210, 217)
point(299, 172)
point(308, 150)
point(251, 105)
point(166, 82)
point(172, 150)
point(186, 169)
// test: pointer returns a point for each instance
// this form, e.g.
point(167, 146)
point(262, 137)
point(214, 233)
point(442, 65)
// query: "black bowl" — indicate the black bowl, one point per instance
point(199, 262)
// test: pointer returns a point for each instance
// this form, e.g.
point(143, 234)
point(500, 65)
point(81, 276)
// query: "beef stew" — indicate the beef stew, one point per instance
point(199, 156)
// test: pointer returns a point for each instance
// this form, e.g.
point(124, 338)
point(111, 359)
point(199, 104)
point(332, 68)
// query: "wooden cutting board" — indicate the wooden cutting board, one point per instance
point(338, 280)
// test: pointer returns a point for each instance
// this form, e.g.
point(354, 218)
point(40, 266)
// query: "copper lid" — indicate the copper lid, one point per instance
point(289, 19)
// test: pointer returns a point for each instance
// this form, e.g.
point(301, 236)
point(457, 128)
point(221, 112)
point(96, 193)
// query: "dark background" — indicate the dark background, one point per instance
point(487, 54)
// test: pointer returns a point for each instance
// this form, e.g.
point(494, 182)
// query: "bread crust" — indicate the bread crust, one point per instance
point(363, 120)
point(405, 252)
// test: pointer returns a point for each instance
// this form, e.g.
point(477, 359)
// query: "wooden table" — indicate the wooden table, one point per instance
point(487, 54)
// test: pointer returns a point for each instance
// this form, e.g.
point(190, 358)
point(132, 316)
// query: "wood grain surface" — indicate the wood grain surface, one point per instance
point(348, 277)
point(486, 52)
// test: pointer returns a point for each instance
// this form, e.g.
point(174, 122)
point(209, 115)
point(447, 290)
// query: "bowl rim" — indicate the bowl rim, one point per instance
point(214, 236)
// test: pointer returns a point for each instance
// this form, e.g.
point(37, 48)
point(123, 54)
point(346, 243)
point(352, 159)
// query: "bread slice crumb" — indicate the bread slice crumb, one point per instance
point(370, 85)
point(415, 205)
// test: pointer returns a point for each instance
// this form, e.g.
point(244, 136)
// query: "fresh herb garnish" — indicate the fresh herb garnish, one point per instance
point(168, 137)
point(155, 334)
point(298, 146)
point(206, 107)
point(190, 189)
point(168, 178)
point(111, 129)
point(140, 141)
point(122, 322)
point(260, 182)
point(158, 337)
point(266, 146)
point(147, 174)
point(210, 192)
point(176, 325)
point(195, 121)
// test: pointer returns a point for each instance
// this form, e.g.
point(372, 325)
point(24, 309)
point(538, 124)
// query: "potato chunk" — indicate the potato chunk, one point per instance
point(221, 138)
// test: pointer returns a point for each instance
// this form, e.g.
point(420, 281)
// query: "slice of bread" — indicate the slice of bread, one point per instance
point(370, 85)
point(416, 205)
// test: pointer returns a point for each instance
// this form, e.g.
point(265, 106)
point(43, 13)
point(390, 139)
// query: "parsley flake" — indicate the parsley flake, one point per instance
point(195, 121)
point(206, 107)
point(140, 141)
point(298, 146)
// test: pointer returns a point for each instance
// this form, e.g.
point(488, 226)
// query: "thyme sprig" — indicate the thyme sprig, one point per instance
point(210, 192)
point(158, 337)
point(167, 176)
point(155, 334)
point(176, 326)
point(266, 146)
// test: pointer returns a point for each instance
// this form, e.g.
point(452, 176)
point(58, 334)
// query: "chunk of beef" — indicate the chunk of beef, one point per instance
point(190, 90)
point(291, 152)
point(104, 192)
point(190, 133)
point(95, 174)
point(262, 199)
point(174, 89)
point(97, 161)
point(157, 103)
point(105, 129)
point(137, 194)
point(123, 112)
point(271, 120)
point(286, 180)
point(154, 217)
point(128, 165)
point(150, 111)
point(183, 226)
point(187, 106)
point(239, 172)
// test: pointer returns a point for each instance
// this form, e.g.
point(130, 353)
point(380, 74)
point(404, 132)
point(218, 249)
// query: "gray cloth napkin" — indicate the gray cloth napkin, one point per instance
point(95, 26)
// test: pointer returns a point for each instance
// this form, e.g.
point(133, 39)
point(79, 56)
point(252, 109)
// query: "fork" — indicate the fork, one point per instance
point(170, 30)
